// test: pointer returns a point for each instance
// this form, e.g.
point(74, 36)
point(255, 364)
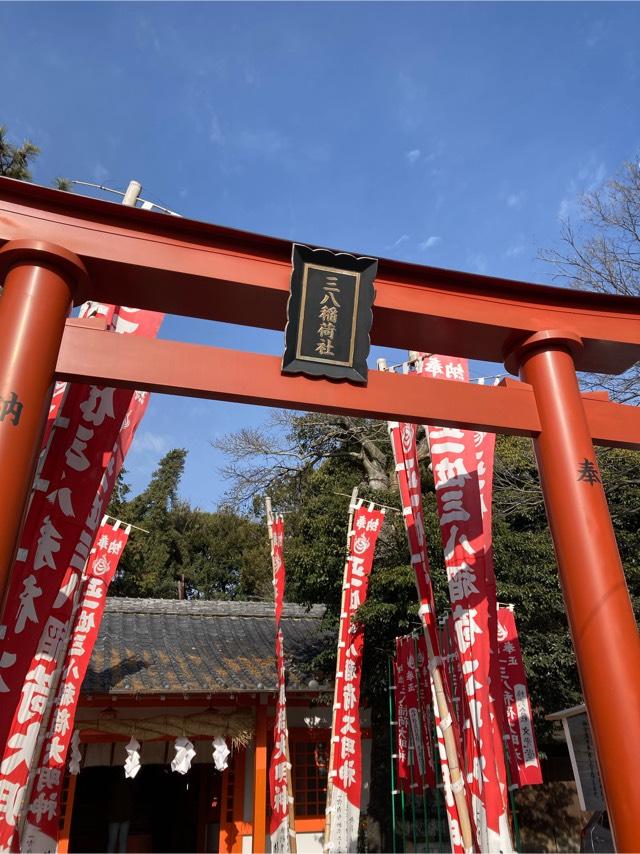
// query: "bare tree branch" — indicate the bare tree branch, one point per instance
point(604, 256)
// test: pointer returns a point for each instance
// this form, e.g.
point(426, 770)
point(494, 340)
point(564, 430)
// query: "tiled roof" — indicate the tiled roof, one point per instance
point(161, 646)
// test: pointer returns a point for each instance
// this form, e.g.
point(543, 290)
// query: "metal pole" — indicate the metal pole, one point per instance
point(412, 756)
point(514, 810)
point(41, 279)
point(392, 754)
point(601, 619)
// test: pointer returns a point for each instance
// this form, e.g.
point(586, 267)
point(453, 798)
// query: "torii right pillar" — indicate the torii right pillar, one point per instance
point(601, 619)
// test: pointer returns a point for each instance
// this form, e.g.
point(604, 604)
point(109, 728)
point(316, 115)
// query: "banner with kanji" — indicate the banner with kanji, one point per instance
point(280, 789)
point(41, 829)
point(345, 765)
point(89, 437)
point(403, 775)
point(457, 474)
point(403, 444)
point(524, 762)
point(415, 766)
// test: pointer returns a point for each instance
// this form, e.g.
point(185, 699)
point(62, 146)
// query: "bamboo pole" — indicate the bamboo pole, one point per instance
point(458, 788)
point(327, 825)
point(439, 785)
point(293, 843)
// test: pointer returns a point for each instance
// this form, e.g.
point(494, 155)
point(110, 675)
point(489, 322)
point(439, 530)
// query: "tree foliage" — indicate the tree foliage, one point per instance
point(221, 555)
point(15, 160)
point(314, 492)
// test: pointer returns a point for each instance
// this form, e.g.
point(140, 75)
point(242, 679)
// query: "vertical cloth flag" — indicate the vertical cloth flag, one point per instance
point(41, 828)
point(344, 788)
point(281, 825)
point(524, 762)
point(402, 721)
point(403, 443)
point(456, 477)
point(415, 768)
point(89, 438)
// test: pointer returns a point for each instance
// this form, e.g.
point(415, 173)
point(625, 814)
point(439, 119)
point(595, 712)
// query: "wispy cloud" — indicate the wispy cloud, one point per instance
point(155, 443)
point(402, 239)
point(478, 262)
point(515, 200)
point(430, 242)
point(266, 143)
point(514, 251)
point(410, 101)
point(100, 173)
point(413, 155)
point(146, 34)
point(215, 130)
point(587, 179)
point(596, 34)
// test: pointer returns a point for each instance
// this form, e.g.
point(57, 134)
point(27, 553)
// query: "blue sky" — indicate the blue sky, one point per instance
point(451, 134)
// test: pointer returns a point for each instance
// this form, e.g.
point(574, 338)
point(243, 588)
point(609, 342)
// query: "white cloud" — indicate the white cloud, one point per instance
point(514, 200)
point(588, 178)
point(266, 143)
point(514, 251)
point(596, 34)
point(155, 443)
point(402, 239)
point(100, 173)
point(413, 155)
point(215, 130)
point(478, 262)
point(430, 242)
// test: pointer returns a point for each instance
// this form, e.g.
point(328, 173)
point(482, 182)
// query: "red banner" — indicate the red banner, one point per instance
point(402, 721)
point(345, 766)
point(456, 478)
point(524, 761)
point(280, 789)
point(424, 701)
point(403, 443)
point(415, 731)
point(89, 438)
point(277, 562)
point(41, 829)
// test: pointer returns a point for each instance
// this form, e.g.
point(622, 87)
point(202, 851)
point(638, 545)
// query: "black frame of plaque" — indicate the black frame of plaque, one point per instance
point(321, 270)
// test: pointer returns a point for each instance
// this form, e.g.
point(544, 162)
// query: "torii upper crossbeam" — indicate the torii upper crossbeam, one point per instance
point(60, 248)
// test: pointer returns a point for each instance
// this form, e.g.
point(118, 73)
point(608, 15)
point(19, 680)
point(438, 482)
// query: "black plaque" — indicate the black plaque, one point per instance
point(329, 314)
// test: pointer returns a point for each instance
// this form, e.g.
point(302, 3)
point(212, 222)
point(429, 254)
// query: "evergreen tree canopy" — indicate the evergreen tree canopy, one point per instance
point(221, 555)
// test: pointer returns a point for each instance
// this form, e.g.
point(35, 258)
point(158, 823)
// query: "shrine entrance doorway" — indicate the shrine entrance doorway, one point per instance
point(165, 811)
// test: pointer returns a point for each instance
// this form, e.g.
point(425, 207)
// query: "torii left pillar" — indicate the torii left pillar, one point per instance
point(40, 280)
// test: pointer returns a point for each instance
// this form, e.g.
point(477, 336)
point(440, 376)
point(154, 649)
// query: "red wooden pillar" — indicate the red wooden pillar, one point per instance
point(259, 833)
point(39, 281)
point(601, 619)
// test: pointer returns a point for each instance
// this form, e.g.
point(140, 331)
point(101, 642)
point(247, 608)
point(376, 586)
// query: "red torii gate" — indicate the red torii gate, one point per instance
point(60, 249)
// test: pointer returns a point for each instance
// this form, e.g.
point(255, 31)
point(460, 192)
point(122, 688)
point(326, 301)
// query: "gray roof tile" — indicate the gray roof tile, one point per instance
point(164, 646)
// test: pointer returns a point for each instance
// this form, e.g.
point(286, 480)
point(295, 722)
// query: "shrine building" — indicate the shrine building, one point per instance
point(162, 669)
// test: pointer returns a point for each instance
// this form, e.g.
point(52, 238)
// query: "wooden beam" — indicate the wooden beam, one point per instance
point(171, 367)
point(180, 266)
point(91, 355)
point(259, 833)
